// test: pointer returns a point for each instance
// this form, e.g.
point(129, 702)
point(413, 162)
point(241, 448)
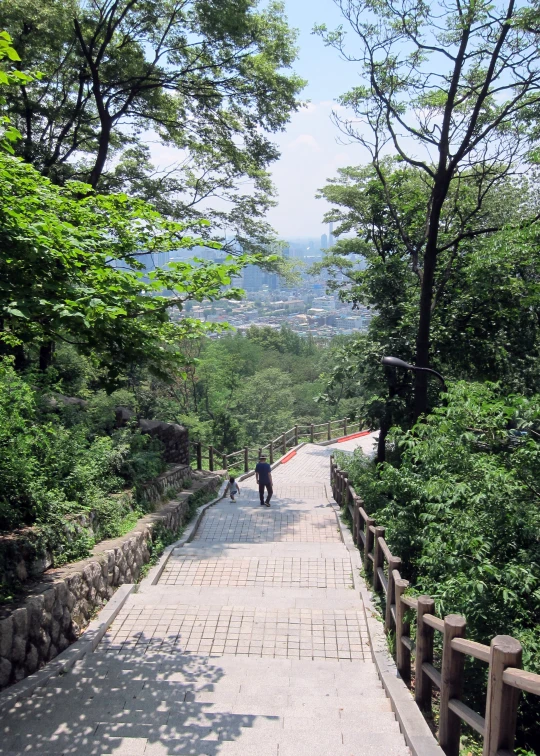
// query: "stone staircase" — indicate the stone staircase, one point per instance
point(252, 642)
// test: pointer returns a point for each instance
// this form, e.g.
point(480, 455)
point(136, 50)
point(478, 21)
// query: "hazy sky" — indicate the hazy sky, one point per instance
point(310, 148)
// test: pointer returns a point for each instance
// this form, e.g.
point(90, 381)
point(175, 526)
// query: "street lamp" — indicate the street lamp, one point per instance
point(396, 362)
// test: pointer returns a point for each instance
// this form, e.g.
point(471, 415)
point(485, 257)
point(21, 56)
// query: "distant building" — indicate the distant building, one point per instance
point(331, 239)
point(154, 260)
point(324, 241)
point(254, 278)
point(290, 304)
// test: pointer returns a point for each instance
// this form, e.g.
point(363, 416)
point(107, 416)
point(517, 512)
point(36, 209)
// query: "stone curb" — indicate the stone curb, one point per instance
point(155, 573)
point(414, 727)
point(62, 663)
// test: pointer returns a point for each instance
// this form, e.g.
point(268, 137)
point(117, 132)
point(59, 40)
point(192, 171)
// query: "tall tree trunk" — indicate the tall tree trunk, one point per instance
point(426, 301)
point(381, 443)
point(20, 358)
point(103, 151)
point(46, 352)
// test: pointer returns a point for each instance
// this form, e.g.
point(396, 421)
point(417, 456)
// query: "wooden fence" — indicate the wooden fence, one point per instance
point(247, 458)
point(505, 678)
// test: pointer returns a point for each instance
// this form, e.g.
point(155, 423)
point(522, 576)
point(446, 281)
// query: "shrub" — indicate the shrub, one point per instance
point(461, 507)
point(59, 469)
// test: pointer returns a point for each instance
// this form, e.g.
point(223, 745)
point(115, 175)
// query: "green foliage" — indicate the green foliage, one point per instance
point(9, 77)
point(243, 390)
point(211, 79)
point(461, 506)
point(71, 272)
point(53, 470)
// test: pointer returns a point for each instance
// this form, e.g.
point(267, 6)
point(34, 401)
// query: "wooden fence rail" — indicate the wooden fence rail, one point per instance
point(247, 457)
point(505, 677)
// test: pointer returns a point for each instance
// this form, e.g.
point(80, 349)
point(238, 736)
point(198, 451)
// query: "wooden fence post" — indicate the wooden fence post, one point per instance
point(368, 545)
point(393, 564)
point(378, 557)
point(312, 434)
point(502, 700)
point(451, 684)
point(344, 426)
point(199, 455)
point(211, 458)
point(424, 652)
point(225, 462)
point(296, 435)
point(335, 483)
point(271, 452)
point(356, 520)
point(246, 459)
point(403, 654)
point(344, 488)
point(329, 430)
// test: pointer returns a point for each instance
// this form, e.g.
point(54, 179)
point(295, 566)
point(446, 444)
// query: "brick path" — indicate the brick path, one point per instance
point(253, 643)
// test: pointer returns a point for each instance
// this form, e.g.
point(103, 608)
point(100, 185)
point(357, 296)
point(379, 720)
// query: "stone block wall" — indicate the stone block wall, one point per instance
point(24, 554)
point(56, 610)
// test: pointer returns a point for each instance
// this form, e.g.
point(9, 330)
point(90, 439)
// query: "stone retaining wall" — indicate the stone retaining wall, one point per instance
point(24, 554)
point(57, 609)
point(175, 478)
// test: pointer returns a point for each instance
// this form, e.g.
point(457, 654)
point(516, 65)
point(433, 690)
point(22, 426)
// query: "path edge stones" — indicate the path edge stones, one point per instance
point(62, 663)
point(413, 726)
point(90, 638)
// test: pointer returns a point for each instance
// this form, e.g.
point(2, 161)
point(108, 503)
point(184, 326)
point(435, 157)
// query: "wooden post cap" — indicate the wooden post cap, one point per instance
point(506, 644)
point(455, 621)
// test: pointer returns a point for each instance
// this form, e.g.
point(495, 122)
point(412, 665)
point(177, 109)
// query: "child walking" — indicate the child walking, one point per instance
point(234, 488)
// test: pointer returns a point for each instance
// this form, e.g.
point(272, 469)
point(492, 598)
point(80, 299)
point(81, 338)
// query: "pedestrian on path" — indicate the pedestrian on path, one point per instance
point(263, 474)
point(233, 488)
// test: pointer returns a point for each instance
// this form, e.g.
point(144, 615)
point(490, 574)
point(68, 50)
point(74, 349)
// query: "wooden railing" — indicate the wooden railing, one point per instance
point(247, 458)
point(505, 678)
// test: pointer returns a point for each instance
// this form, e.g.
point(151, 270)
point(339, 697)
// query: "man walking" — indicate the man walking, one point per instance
point(263, 474)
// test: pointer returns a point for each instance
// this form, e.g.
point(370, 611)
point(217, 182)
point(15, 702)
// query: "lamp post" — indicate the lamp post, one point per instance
point(396, 362)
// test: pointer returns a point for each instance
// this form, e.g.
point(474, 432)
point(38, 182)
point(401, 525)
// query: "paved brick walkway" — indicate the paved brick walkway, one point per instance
point(253, 643)
point(255, 526)
point(288, 572)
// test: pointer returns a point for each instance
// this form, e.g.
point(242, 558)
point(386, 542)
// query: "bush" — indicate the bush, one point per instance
point(461, 507)
point(60, 470)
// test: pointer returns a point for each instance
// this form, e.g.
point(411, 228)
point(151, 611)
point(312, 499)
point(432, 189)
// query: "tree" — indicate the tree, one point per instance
point(264, 405)
point(70, 272)
point(448, 89)
point(480, 327)
point(209, 78)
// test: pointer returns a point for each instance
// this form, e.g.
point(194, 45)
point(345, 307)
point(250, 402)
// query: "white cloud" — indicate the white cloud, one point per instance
point(305, 140)
point(302, 170)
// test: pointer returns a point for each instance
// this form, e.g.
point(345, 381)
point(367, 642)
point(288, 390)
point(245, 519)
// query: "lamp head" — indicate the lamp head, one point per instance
point(396, 362)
